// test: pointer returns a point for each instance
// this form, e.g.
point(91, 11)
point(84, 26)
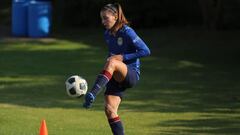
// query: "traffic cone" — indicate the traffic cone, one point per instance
point(43, 128)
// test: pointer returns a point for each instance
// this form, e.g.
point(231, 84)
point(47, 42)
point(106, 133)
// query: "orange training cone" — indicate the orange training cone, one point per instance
point(43, 128)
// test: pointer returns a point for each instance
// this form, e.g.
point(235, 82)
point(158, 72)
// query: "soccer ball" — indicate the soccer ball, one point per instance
point(76, 86)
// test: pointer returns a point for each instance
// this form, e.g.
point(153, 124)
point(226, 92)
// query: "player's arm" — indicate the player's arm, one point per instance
point(138, 43)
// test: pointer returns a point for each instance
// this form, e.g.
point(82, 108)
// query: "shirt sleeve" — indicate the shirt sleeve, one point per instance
point(142, 49)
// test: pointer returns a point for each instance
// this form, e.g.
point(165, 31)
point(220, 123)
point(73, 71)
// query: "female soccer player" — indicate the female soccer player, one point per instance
point(122, 67)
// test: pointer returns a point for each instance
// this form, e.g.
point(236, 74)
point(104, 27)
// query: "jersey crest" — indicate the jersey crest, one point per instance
point(120, 41)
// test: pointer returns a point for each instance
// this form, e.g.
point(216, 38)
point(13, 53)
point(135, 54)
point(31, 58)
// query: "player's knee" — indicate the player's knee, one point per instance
point(110, 112)
point(111, 63)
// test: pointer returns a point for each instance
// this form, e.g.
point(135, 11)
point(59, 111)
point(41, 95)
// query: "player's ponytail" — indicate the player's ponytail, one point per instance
point(121, 18)
point(116, 9)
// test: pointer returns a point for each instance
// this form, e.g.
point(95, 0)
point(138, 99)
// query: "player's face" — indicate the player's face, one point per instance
point(108, 19)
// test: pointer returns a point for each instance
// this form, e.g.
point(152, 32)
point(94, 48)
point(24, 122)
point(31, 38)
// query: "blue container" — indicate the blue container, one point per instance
point(39, 19)
point(19, 17)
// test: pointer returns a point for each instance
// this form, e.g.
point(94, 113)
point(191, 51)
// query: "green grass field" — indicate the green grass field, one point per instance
point(189, 85)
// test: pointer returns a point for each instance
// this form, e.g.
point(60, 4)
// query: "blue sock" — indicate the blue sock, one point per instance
point(100, 82)
point(116, 126)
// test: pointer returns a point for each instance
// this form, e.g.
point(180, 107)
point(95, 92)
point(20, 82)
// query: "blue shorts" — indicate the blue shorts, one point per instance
point(117, 88)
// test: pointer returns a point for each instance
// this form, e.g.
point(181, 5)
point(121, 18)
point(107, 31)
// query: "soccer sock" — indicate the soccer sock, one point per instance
point(100, 82)
point(116, 126)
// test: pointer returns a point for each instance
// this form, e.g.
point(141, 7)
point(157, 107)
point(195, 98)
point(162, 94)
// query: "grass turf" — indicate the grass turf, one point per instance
point(189, 85)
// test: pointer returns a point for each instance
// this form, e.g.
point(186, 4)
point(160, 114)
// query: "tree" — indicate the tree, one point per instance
point(212, 13)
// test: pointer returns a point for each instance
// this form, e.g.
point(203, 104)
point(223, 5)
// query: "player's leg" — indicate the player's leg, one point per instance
point(111, 107)
point(113, 68)
point(113, 95)
point(117, 68)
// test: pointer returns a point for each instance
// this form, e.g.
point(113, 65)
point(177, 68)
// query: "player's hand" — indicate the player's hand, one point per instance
point(116, 57)
point(89, 99)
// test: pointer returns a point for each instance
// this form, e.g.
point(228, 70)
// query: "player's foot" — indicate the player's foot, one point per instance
point(89, 99)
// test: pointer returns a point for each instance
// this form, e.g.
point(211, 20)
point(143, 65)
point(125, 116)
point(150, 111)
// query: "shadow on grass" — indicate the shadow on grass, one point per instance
point(219, 126)
point(34, 76)
point(185, 73)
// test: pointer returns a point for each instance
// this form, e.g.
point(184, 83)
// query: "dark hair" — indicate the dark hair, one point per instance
point(116, 9)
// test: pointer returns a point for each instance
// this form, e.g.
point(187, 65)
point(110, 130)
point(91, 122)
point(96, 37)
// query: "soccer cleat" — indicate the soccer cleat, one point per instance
point(89, 99)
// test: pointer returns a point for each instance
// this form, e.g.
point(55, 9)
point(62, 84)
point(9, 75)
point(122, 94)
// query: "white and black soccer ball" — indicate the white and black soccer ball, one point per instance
point(76, 86)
